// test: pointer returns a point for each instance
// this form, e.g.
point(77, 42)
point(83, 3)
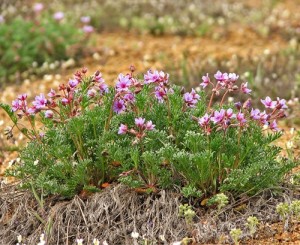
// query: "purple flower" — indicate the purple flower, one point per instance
point(15, 105)
point(221, 76)
point(139, 122)
point(98, 77)
point(238, 105)
point(204, 121)
point(119, 106)
point(233, 77)
point(103, 88)
point(229, 113)
point(85, 19)
point(38, 7)
point(245, 89)
point(205, 80)
point(123, 129)
point(263, 117)
point(149, 126)
point(64, 101)
point(151, 77)
point(22, 97)
point(1, 19)
point(88, 29)
point(281, 104)
point(123, 83)
point(31, 110)
point(91, 93)
point(58, 16)
point(191, 99)
point(129, 97)
point(160, 93)
point(52, 93)
point(49, 114)
point(73, 83)
point(241, 118)
point(255, 114)
point(269, 103)
point(40, 102)
point(273, 126)
point(218, 116)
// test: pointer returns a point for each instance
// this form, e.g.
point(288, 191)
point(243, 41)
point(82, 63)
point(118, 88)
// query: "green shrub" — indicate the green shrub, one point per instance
point(147, 134)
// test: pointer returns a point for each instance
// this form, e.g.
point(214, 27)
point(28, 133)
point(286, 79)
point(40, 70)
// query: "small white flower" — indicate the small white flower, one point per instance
point(36, 162)
point(79, 241)
point(230, 99)
point(19, 238)
point(134, 235)
point(176, 243)
point(96, 242)
point(105, 243)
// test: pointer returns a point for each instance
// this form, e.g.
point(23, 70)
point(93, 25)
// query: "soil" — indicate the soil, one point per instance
point(116, 51)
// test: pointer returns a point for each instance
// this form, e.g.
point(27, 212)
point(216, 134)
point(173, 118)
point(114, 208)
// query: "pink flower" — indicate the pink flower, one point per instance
point(91, 93)
point(52, 93)
point(123, 83)
point(88, 29)
point(151, 77)
point(58, 16)
point(281, 104)
point(15, 105)
point(38, 7)
point(245, 89)
point(229, 113)
point(129, 97)
point(31, 110)
point(269, 103)
point(49, 114)
point(221, 76)
point(139, 122)
point(22, 97)
point(204, 121)
point(73, 83)
point(119, 106)
point(233, 77)
point(123, 129)
point(64, 101)
point(191, 99)
point(149, 126)
point(273, 126)
point(263, 117)
point(218, 116)
point(2, 19)
point(255, 114)
point(85, 19)
point(205, 80)
point(40, 102)
point(160, 93)
point(241, 118)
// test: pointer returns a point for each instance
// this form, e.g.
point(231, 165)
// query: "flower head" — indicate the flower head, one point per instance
point(245, 89)
point(204, 121)
point(160, 93)
point(49, 114)
point(233, 77)
point(205, 80)
point(268, 103)
point(40, 102)
point(273, 126)
point(139, 122)
point(218, 116)
point(119, 106)
point(91, 93)
point(221, 76)
point(149, 126)
point(58, 16)
point(88, 29)
point(73, 83)
point(281, 104)
point(241, 118)
point(38, 7)
point(52, 93)
point(255, 114)
point(191, 99)
point(15, 105)
point(85, 19)
point(123, 129)
point(123, 83)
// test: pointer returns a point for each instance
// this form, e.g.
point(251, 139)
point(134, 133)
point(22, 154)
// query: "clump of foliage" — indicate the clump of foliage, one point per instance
point(147, 134)
point(37, 38)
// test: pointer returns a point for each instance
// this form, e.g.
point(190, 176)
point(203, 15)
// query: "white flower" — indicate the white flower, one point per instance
point(36, 162)
point(105, 243)
point(176, 243)
point(96, 242)
point(19, 238)
point(134, 235)
point(79, 241)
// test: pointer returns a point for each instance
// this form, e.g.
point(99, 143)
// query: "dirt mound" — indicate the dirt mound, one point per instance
point(116, 212)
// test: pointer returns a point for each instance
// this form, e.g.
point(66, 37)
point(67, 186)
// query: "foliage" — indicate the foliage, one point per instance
point(149, 135)
point(31, 41)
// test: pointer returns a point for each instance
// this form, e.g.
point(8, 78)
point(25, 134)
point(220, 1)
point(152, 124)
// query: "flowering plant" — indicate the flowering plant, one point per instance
point(147, 134)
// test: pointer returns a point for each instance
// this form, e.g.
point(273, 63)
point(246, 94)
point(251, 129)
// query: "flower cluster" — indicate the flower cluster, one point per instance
point(141, 127)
